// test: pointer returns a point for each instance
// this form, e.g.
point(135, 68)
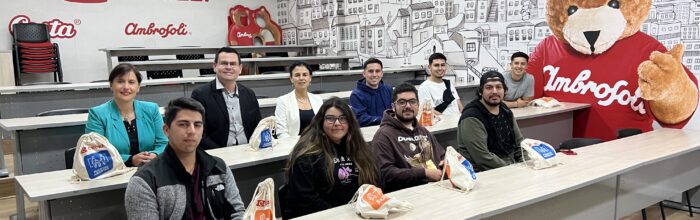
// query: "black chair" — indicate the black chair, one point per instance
point(33, 52)
point(131, 58)
point(164, 74)
point(261, 96)
point(66, 111)
point(69, 153)
point(282, 193)
point(579, 142)
point(321, 91)
point(626, 132)
point(356, 68)
point(415, 82)
point(202, 72)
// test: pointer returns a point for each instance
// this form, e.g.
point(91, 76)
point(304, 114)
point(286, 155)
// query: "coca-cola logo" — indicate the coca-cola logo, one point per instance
point(166, 31)
point(57, 28)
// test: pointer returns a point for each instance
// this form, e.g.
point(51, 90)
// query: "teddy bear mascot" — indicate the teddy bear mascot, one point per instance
point(598, 55)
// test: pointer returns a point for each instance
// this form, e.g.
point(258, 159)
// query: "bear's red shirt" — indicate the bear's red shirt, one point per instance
point(607, 81)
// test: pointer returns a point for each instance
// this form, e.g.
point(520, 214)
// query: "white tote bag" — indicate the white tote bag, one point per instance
point(370, 202)
point(542, 155)
point(263, 136)
point(262, 207)
point(458, 170)
point(95, 158)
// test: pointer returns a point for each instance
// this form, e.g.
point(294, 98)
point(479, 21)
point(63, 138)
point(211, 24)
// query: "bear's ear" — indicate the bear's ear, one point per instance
point(635, 11)
point(557, 17)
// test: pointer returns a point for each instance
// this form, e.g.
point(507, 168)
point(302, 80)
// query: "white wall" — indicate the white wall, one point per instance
point(102, 25)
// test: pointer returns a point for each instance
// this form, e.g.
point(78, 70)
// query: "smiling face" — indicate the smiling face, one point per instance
point(227, 67)
point(437, 68)
point(518, 66)
point(125, 87)
point(301, 77)
point(335, 124)
point(406, 106)
point(373, 74)
point(185, 131)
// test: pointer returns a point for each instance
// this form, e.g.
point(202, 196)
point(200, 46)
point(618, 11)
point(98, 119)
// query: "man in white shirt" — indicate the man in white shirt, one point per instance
point(440, 91)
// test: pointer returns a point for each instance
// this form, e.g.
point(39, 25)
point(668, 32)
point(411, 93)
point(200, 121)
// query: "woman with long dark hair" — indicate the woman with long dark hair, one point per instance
point(329, 163)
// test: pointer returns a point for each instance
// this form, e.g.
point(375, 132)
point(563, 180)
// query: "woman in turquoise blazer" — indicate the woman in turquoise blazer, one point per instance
point(134, 127)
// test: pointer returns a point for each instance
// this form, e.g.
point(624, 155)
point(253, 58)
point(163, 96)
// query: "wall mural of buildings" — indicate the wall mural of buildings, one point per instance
point(475, 35)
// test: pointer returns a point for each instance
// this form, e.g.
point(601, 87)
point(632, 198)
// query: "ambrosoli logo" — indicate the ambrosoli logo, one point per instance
point(169, 30)
point(57, 28)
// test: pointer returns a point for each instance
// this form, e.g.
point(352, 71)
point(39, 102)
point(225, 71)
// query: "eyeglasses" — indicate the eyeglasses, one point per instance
point(232, 64)
point(331, 119)
point(403, 102)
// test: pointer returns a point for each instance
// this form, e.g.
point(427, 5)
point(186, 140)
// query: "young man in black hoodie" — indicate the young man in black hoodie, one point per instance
point(406, 152)
point(488, 134)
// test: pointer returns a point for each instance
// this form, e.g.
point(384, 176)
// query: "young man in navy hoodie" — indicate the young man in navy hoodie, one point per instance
point(371, 96)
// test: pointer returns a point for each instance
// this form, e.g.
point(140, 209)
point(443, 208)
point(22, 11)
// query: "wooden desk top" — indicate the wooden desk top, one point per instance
point(190, 80)
point(493, 195)
point(234, 156)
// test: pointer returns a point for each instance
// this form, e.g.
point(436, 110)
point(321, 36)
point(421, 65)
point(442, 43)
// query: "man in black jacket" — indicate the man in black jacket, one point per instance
point(184, 182)
point(233, 111)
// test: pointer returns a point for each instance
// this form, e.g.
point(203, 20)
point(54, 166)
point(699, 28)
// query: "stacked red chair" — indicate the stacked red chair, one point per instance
point(34, 53)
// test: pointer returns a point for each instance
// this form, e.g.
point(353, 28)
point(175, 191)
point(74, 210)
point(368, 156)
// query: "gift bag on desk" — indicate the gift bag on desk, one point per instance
point(262, 207)
point(458, 170)
point(541, 154)
point(263, 136)
point(370, 202)
point(96, 158)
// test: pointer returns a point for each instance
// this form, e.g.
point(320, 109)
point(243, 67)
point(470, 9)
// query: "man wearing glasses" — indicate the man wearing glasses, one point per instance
point(439, 91)
point(407, 153)
point(487, 134)
point(232, 110)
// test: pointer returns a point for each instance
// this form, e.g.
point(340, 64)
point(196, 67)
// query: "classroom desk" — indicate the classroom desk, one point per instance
point(27, 101)
point(304, 50)
point(252, 63)
point(249, 168)
point(595, 184)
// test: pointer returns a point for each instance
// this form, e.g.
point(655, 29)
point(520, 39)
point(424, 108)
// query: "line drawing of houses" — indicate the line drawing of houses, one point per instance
point(407, 30)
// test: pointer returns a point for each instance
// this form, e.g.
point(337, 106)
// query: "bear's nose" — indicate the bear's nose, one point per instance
point(591, 37)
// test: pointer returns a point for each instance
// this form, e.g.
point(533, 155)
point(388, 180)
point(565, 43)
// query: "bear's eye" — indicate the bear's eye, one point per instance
point(572, 9)
point(614, 4)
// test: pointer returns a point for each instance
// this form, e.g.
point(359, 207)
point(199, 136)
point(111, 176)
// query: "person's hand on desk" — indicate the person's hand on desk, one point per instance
point(142, 158)
point(433, 174)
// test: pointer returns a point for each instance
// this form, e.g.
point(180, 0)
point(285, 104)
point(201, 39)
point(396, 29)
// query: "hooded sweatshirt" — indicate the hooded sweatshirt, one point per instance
point(369, 104)
point(395, 147)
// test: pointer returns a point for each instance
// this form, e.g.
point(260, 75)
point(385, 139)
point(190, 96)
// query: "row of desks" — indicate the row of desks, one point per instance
point(250, 167)
point(605, 181)
point(27, 101)
point(42, 140)
point(304, 50)
point(252, 63)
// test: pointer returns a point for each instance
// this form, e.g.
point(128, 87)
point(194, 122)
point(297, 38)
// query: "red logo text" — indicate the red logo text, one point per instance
point(57, 28)
point(151, 29)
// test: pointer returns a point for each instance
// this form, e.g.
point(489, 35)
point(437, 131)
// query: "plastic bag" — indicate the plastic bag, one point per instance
point(458, 170)
point(542, 155)
point(262, 206)
point(547, 102)
point(370, 202)
point(95, 158)
point(263, 136)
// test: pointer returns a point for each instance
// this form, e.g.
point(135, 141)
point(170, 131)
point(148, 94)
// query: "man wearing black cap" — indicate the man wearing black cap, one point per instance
point(488, 135)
